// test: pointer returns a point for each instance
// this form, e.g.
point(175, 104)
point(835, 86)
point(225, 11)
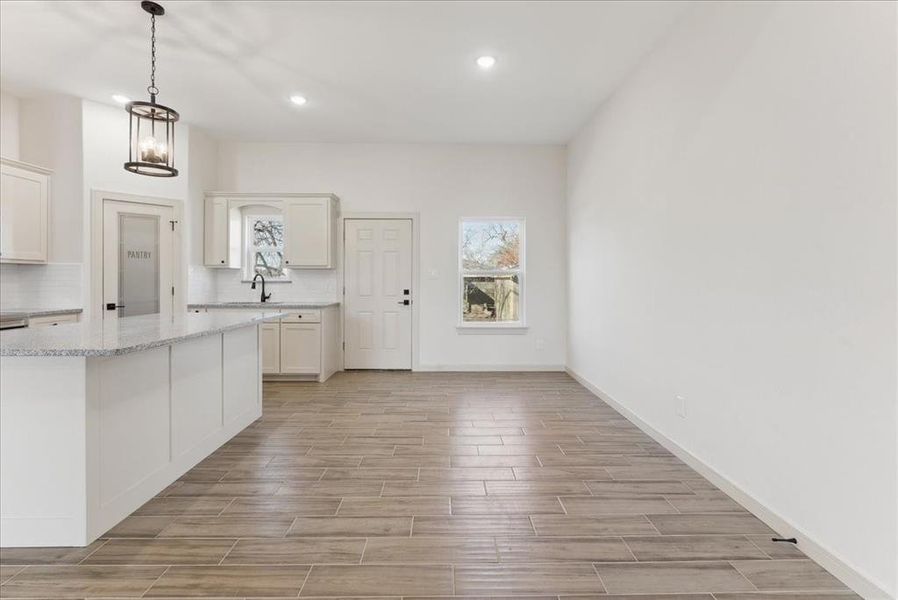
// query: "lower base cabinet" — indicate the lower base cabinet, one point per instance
point(305, 344)
point(271, 348)
point(300, 349)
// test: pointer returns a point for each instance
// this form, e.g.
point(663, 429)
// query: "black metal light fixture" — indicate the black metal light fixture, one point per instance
point(151, 127)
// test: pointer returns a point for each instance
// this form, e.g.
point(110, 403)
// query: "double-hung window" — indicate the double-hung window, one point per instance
point(264, 237)
point(491, 272)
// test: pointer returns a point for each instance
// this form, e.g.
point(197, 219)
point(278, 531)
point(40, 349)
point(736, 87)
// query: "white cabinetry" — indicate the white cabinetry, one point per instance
point(309, 232)
point(300, 348)
point(309, 228)
point(271, 348)
point(24, 212)
point(305, 344)
point(216, 248)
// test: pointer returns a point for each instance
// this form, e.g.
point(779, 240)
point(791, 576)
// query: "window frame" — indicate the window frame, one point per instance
point(250, 249)
point(487, 326)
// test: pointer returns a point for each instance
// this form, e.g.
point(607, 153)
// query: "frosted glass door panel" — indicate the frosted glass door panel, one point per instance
point(138, 276)
point(138, 243)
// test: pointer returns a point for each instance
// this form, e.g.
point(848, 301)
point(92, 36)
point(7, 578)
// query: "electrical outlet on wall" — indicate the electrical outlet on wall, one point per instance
point(681, 406)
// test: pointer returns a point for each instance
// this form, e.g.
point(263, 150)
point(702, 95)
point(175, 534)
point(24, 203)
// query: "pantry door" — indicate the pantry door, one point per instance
point(378, 293)
point(137, 259)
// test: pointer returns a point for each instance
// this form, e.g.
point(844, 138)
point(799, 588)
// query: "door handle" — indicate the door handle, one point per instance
point(404, 302)
point(114, 306)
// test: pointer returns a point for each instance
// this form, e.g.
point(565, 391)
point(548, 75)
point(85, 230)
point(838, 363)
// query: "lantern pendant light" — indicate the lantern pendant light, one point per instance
point(151, 127)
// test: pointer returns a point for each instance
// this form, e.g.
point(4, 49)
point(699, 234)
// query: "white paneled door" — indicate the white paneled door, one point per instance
point(137, 259)
point(378, 294)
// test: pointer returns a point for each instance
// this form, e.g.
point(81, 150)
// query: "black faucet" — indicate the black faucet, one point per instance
point(265, 296)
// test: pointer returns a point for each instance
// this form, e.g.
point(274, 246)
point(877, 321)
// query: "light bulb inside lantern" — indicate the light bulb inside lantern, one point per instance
point(152, 150)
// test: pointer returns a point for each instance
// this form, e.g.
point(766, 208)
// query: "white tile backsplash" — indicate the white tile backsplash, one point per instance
point(305, 286)
point(59, 285)
point(200, 284)
point(54, 285)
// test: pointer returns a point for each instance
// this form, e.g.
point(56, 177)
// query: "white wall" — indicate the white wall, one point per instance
point(442, 183)
point(732, 238)
point(9, 126)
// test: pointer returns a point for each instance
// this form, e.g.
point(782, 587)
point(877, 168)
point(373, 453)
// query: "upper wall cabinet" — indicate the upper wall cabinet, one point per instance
point(309, 232)
point(216, 247)
point(24, 212)
point(309, 228)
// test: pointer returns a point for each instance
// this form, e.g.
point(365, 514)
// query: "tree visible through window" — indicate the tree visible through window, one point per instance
point(491, 271)
point(265, 246)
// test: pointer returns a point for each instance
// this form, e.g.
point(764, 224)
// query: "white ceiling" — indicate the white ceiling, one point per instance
point(372, 71)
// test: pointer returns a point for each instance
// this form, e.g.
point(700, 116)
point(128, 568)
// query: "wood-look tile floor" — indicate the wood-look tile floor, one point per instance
point(425, 485)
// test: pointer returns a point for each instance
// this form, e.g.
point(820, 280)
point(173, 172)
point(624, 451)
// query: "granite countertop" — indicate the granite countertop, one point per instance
point(112, 337)
point(28, 313)
point(258, 305)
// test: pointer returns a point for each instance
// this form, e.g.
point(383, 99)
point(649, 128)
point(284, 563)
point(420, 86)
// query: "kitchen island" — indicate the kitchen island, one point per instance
point(97, 417)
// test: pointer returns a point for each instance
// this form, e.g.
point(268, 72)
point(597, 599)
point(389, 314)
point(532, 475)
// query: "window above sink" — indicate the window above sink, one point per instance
point(264, 247)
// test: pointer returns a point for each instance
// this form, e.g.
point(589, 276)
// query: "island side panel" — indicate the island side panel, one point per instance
point(242, 366)
point(211, 393)
point(196, 401)
point(129, 433)
point(42, 458)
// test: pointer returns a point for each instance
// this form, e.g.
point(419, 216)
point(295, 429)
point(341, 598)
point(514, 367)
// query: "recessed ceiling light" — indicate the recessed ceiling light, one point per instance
point(486, 62)
point(298, 100)
point(121, 99)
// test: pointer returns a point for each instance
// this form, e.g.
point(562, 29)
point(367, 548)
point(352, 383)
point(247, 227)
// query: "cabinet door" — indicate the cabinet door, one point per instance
point(24, 203)
point(307, 233)
point(300, 348)
point(215, 232)
point(271, 348)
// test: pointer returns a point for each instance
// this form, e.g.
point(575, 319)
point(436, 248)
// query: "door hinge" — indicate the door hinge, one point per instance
point(344, 345)
point(172, 290)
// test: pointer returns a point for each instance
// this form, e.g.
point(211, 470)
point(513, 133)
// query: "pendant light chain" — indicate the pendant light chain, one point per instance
point(153, 90)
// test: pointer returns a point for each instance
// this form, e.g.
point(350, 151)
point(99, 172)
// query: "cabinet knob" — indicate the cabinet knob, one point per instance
point(222, 262)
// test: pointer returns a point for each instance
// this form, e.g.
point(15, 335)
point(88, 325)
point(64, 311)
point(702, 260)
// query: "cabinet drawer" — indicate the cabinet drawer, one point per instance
point(303, 316)
point(50, 320)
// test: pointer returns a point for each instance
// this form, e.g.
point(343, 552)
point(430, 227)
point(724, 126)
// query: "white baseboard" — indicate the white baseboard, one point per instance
point(491, 368)
point(814, 550)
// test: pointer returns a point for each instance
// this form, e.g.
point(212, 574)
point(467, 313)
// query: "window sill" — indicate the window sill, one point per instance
point(268, 281)
point(492, 329)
